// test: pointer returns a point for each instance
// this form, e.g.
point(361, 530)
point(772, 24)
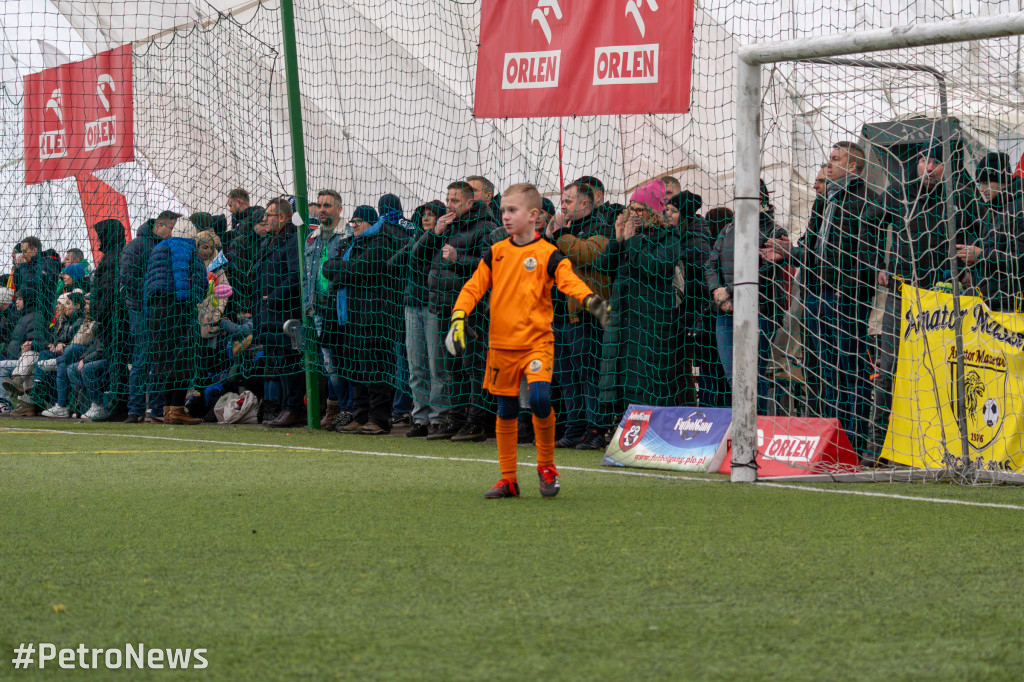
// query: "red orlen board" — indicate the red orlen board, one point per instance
point(583, 57)
point(78, 117)
point(797, 446)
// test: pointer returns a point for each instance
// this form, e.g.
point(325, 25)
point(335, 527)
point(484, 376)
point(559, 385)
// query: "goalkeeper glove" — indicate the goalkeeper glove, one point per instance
point(597, 307)
point(455, 342)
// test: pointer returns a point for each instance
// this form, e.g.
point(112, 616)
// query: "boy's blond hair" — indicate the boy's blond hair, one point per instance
point(530, 194)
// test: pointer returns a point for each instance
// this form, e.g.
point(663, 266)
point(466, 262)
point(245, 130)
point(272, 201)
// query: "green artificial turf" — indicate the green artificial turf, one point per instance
point(319, 564)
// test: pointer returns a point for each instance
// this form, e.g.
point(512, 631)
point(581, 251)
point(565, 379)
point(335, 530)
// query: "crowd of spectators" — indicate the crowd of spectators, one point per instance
point(196, 306)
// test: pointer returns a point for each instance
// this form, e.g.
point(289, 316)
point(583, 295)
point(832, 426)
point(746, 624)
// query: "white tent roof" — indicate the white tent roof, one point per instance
point(388, 94)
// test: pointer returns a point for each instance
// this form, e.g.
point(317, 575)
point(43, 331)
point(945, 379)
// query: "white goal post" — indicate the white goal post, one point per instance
point(748, 159)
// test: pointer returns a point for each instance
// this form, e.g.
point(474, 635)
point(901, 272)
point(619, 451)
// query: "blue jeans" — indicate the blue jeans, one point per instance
point(338, 387)
point(766, 327)
point(837, 369)
point(577, 360)
point(6, 371)
point(72, 354)
point(402, 402)
point(420, 378)
point(440, 390)
point(92, 378)
point(140, 380)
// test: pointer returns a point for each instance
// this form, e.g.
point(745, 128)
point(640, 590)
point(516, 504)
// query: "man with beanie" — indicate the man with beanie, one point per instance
point(1000, 227)
point(323, 244)
point(581, 237)
point(698, 354)
point(401, 231)
point(366, 310)
point(919, 258)
point(720, 278)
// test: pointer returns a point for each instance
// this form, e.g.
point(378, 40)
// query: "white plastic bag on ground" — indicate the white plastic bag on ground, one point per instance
point(232, 408)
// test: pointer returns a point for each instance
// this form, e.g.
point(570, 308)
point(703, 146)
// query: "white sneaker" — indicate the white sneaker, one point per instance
point(57, 412)
point(49, 365)
point(94, 411)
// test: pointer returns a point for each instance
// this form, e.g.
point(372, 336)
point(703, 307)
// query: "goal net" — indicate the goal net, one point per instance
point(904, 280)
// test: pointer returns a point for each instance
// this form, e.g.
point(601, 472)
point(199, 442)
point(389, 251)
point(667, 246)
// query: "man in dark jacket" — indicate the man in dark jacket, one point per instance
point(367, 315)
point(581, 236)
point(401, 232)
point(108, 310)
point(609, 213)
point(1000, 226)
point(838, 253)
point(919, 257)
point(37, 277)
point(701, 376)
point(134, 263)
point(242, 250)
point(175, 284)
point(454, 248)
point(28, 336)
point(8, 314)
point(279, 301)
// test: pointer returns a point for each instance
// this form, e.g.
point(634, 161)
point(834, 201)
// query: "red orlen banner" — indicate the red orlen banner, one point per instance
point(100, 201)
point(584, 57)
point(78, 117)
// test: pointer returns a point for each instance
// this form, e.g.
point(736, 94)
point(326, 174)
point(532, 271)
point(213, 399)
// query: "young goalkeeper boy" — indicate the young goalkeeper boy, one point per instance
point(520, 271)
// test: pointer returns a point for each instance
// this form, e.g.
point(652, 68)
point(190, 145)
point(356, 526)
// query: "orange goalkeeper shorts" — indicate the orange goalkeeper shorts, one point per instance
point(506, 368)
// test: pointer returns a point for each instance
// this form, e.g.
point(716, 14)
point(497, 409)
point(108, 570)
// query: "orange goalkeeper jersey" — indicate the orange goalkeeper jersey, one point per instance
point(520, 279)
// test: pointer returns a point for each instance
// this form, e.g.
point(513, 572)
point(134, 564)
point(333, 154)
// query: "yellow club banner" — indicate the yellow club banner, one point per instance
point(923, 425)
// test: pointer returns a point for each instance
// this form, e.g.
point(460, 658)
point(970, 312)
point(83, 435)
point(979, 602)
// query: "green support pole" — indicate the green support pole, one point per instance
point(291, 66)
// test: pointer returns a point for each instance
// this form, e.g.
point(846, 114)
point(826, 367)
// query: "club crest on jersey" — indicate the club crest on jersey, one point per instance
point(530, 264)
point(535, 366)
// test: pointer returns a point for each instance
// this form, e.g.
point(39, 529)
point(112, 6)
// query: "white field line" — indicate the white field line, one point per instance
point(603, 470)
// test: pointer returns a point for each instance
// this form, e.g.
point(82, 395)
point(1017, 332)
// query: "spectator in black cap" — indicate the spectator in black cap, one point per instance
point(401, 231)
point(1000, 226)
point(918, 257)
point(701, 375)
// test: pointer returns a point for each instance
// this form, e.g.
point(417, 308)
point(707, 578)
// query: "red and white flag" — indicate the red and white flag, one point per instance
point(78, 117)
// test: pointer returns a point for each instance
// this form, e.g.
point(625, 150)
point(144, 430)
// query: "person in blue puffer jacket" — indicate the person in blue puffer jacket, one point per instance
point(175, 285)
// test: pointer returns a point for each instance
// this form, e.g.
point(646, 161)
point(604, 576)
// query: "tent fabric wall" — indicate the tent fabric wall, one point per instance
point(387, 102)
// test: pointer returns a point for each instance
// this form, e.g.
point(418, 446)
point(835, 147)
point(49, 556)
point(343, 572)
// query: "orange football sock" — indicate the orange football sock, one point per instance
point(507, 433)
point(544, 433)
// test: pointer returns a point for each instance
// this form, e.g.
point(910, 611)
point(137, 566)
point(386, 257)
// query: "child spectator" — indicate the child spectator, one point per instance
point(520, 271)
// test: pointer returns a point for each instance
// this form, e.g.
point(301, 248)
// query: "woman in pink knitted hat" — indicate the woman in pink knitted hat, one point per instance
point(638, 356)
